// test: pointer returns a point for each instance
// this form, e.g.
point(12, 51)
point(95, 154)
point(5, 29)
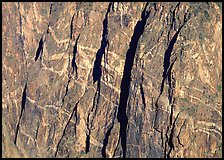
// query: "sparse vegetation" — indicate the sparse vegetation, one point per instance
point(219, 4)
point(190, 110)
point(184, 99)
point(10, 58)
point(219, 87)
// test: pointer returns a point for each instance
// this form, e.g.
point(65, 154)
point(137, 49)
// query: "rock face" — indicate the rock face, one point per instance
point(111, 79)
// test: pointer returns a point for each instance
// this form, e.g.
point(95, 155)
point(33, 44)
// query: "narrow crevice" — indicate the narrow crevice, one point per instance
point(167, 67)
point(76, 117)
point(87, 142)
point(50, 8)
point(173, 21)
point(73, 111)
point(89, 123)
point(167, 74)
point(161, 133)
point(39, 51)
point(178, 136)
point(107, 135)
point(49, 16)
point(142, 92)
point(66, 91)
point(167, 138)
point(97, 70)
point(37, 131)
point(167, 57)
point(97, 73)
point(74, 65)
point(22, 111)
point(126, 79)
point(171, 81)
point(71, 26)
point(170, 139)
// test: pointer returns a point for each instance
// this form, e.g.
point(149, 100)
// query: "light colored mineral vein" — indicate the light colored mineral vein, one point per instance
point(217, 111)
point(58, 56)
point(205, 131)
point(111, 86)
point(209, 124)
point(47, 106)
point(55, 37)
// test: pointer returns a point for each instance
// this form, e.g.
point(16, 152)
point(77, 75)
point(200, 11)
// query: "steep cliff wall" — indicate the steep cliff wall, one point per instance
point(111, 79)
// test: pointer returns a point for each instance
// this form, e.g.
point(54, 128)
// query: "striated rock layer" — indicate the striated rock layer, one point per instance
point(111, 79)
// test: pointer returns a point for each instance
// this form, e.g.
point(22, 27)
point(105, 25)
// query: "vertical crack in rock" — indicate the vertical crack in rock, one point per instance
point(166, 136)
point(167, 67)
point(90, 119)
point(71, 26)
point(97, 70)
point(142, 92)
point(167, 74)
point(74, 65)
point(171, 81)
point(40, 48)
point(87, 142)
point(50, 8)
point(37, 131)
point(22, 111)
point(73, 111)
point(167, 57)
point(106, 138)
point(66, 90)
point(178, 136)
point(173, 21)
point(170, 139)
point(97, 73)
point(126, 79)
point(49, 15)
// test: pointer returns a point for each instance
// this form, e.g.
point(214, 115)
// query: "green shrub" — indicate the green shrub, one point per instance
point(184, 99)
point(219, 87)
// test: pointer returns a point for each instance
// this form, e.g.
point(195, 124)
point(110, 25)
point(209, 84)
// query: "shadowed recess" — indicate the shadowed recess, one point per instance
point(167, 55)
point(126, 79)
point(142, 92)
point(105, 141)
point(87, 143)
point(22, 110)
point(74, 65)
point(97, 71)
point(71, 26)
point(39, 49)
point(73, 111)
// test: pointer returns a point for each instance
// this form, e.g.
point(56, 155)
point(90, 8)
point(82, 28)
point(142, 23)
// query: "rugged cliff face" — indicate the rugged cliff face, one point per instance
point(111, 79)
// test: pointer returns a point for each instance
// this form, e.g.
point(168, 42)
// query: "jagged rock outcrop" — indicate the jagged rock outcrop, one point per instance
point(112, 79)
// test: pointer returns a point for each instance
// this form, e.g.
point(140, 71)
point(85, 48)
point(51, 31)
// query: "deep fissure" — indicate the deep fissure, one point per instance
point(97, 70)
point(167, 68)
point(74, 65)
point(73, 111)
point(97, 73)
point(142, 92)
point(66, 90)
point(71, 26)
point(126, 79)
point(39, 49)
point(170, 139)
point(107, 135)
point(22, 111)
